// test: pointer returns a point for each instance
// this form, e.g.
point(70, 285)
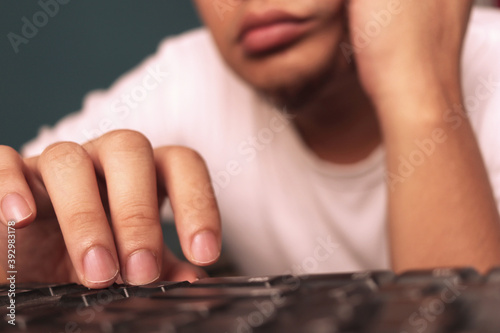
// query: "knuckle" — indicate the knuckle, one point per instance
point(199, 208)
point(185, 153)
point(201, 201)
point(11, 170)
point(127, 140)
point(6, 177)
point(63, 154)
point(9, 160)
point(6, 174)
point(138, 216)
point(6, 151)
point(83, 219)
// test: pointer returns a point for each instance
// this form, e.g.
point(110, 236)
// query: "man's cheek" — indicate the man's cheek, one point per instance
point(223, 10)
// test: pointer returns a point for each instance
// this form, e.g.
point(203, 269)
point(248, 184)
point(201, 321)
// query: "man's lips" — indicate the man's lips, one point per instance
point(271, 30)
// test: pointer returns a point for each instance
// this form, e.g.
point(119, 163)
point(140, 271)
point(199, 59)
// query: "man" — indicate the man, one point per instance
point(335, 133)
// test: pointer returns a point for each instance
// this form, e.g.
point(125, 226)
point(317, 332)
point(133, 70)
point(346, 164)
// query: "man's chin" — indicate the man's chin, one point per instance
point(292, 98)
point(293, 79)
point(295, 93)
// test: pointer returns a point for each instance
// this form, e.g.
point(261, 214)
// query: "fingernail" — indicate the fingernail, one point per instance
point(205, 247)
point(99, 266)
point(142, 268)
point(15, 208)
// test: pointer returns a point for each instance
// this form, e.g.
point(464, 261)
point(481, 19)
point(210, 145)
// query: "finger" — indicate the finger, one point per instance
point(44, 209)
point(68, 174)
point(17, 202)
point(127, 163)
point(186, 178)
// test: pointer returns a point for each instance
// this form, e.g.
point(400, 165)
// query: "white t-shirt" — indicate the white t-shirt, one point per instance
point(284, 210)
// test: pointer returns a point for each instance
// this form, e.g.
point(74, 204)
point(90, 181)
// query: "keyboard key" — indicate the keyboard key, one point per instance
point(221, 292)
point(242, 281)
point(97, 297)
point(456, 276)
point(157, 287)
point(64, 289)
point(158, 305)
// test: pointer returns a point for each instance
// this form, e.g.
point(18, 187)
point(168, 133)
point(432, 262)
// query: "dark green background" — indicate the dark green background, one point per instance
point(85, 46)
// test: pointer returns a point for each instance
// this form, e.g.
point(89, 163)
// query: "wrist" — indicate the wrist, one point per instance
point(413, 115)
point(422, 98)
point(410, 76)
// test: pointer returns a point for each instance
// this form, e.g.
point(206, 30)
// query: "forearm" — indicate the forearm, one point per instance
point(441, 207)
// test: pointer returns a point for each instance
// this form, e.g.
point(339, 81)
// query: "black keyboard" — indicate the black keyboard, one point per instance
point(437, 301)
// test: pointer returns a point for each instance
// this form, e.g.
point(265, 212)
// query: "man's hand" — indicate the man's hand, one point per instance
point(89, 213)
point(441, 210)
point(404, 43)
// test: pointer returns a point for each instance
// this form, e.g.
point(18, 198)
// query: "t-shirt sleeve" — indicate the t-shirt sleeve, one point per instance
point(489, 138)
point(481, 80)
